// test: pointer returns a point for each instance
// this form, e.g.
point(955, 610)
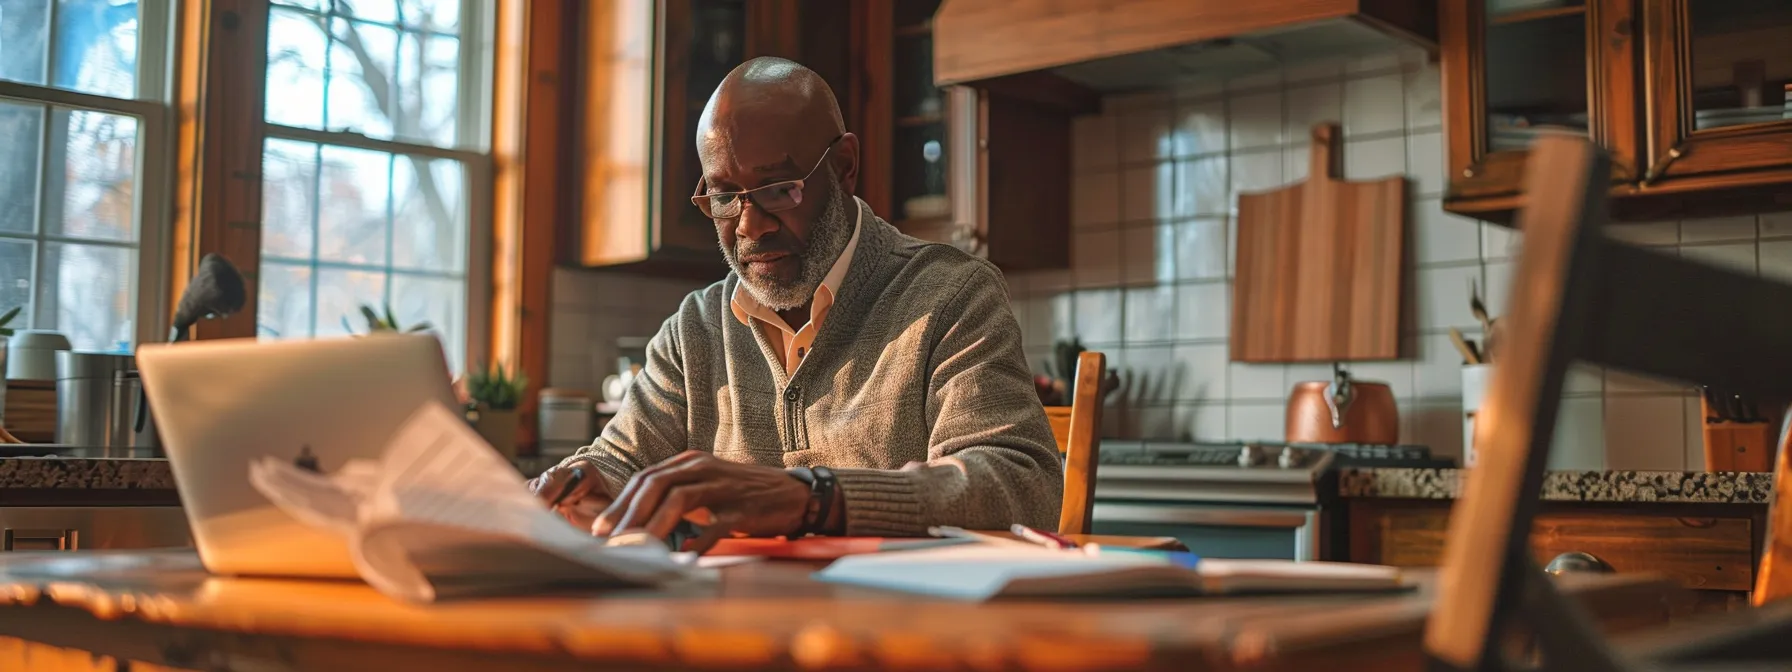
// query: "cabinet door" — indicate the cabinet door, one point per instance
point(1515, 68)
point(1720, 74)
point(702, 41)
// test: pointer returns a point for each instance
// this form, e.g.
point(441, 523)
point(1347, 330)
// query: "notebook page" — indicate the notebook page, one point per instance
point(438, 470)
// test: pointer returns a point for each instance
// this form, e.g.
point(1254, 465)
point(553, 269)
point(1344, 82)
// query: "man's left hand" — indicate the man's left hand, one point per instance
point(741, 498)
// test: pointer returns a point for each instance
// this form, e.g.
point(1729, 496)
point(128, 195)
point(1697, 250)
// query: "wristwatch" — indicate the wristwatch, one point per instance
point(823, 488)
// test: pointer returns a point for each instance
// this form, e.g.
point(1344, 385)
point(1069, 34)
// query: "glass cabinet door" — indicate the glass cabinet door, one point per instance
point(1723, 75)
point(702, 41)
point(1515, 69)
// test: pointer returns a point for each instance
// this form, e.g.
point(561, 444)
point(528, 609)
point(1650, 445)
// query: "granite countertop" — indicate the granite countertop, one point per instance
point(1698, 487)
point(76, 473)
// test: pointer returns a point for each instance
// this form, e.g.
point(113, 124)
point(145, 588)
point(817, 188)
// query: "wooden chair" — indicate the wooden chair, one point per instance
point(1577, 295)
point(1079, 440)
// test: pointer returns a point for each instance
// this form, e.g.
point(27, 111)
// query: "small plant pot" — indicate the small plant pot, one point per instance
point(498, 427)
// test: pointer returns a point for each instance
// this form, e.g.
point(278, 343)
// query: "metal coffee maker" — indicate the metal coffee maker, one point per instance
point(96, 405)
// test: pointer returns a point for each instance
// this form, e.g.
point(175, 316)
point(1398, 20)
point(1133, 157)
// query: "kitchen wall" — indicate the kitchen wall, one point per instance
point(594, 308)
point(1156, 176)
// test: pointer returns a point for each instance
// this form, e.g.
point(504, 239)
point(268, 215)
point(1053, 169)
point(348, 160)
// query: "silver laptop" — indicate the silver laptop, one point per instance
point(221, 404)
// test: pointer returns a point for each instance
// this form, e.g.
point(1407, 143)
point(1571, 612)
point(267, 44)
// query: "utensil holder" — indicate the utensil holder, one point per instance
point(1736, 446)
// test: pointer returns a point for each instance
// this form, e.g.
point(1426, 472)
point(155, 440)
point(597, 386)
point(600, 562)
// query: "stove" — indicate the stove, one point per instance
point(1242, 500)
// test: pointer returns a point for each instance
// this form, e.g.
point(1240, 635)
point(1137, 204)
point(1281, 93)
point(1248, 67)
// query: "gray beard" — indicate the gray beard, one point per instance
point(826, 241)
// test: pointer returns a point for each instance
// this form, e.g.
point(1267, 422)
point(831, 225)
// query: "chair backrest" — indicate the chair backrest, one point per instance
point(1080, 441)
point(1773, 579)
point(1576, 295)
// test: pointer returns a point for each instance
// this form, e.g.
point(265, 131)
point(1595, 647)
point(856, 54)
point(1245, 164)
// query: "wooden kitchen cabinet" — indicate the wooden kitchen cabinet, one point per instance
point(1713, 549)
point(985, 169)
point(1719, 75)
point(1688, 99)
point(646, 69)
point(1510, 73)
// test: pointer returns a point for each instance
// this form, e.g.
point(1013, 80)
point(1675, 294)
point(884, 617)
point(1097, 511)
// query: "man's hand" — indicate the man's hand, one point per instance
point(740, 498)
point(586, 496)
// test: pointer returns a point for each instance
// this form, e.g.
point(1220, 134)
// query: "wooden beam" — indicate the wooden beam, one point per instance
point(220, 90)
point(528, 120)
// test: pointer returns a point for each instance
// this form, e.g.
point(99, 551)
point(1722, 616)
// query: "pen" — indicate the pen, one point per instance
point(578, 474)
point(961, 533)
point(1041, 537)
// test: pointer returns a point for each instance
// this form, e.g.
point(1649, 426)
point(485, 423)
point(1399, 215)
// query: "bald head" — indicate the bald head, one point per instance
point(774, 121)
point(769, 95)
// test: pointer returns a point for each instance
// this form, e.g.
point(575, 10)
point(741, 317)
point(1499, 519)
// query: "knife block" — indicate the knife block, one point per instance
point(1736, 446)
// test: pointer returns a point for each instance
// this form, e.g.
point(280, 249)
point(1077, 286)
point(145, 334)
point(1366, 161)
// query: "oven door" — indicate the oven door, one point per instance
point(1217, 530)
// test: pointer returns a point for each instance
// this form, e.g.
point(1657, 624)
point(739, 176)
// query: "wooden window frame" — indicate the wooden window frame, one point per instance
point(220, 97)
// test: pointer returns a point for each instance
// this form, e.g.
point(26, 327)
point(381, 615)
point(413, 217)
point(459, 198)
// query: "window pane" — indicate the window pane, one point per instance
point(429, 225)
point(24, 39)
point(296, 48)
point(380, 11)
point(94, 167)
point(354, 189)
point(429, 86)
point(96, 47)
point(288, 198)
point(340, 295)
point(284, 305)
point(440, 302)
point(438, 15)
point(86, 295)
point(21, 133)
point(15, 279)
point(363, 61)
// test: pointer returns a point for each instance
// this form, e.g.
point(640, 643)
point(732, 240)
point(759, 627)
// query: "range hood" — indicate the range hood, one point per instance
point(1121, 45)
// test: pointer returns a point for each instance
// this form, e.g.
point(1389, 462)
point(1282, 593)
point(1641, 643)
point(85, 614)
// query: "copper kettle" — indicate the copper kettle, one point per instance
point(1343, 410)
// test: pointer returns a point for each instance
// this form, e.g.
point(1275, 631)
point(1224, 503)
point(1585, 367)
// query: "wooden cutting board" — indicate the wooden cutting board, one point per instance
point(1319, 265)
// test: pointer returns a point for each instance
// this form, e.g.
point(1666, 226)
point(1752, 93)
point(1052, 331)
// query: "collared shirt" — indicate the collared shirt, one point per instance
point(791, 345)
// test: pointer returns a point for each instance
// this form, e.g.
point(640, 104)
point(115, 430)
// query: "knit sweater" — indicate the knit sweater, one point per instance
point(915, 393)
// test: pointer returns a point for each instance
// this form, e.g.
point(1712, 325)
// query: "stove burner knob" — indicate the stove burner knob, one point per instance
point(1290, 458)
point(1250, 456)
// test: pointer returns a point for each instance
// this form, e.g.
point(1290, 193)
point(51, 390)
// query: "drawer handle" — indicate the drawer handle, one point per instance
point(1577, 562)
point(40, 540)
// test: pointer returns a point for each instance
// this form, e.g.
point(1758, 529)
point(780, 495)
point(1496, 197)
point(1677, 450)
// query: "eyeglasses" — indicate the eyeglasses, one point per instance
point(774, 197)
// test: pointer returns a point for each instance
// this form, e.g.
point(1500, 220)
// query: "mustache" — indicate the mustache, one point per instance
point(768, 245)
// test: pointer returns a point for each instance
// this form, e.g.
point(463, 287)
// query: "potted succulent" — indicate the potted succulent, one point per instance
point(492, 398)
point(387, 323)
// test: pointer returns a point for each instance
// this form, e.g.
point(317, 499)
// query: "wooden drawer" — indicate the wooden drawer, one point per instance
point(1702, 553)
point(30, 411)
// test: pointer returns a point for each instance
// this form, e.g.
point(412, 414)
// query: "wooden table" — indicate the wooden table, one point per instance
point(160, 607)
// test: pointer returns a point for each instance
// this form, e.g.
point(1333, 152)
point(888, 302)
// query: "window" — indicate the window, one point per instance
point(375, 135)
point(83, 104)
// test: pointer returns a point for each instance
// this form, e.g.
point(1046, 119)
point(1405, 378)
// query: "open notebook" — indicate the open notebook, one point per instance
point(442, 514)
point(989, 571)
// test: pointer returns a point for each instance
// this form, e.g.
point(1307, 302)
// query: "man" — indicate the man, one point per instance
point(843, 379)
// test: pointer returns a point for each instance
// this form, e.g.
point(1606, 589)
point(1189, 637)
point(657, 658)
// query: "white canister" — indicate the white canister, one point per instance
point(565, 421)
point(31, 354)
point(1578, 442)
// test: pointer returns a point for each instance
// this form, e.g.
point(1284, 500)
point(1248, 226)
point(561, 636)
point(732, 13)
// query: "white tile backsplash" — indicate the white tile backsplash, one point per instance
point(1144, 134)
point(1200, 128)
point(1367, 160)
point(1146, 192)
point(1440, 237)
point(1374, 105)
point(1318, 103)
point(1255, 120)
point(1201, 249)
point(1095, 199)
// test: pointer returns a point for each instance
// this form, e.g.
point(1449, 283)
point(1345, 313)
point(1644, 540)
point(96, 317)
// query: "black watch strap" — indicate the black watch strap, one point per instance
point(823, 489)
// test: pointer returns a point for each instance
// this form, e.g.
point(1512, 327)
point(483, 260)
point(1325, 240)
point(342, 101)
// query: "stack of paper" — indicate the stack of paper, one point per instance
point(441, 513)
point(986, 571)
